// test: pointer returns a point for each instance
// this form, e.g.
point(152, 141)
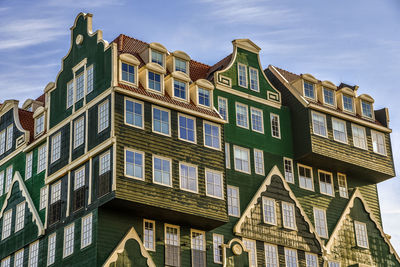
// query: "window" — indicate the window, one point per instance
point(254, 79)
point(359, 138)
point(1, 183)
point(242, 72)
point(242, 159)
point(320, 222)
point(149, 235)
point(42, 157)
point(333, 264)
point(342, 185)
point(86, 232)
point(319, 124)
point(80, 86)
point(134, 113)
point(70, 93)
point(103, 116)
point(79, 132)
point(257, 120)
point(329, 96)
point(51, 249)
point(214, 184)
point(155, 81)
point(10, 131)
point(305, 177)
point(269, 212)
point(19, 258)
point(128, 73)
point(20, 217)
point(309, 90)
point(187, 128)
point(33, 254)
point(227, 156)
point(180, 90)
point(157, 57)
point(39, 125)
point(212, 135)
point(198, 245)
point(241, 116)
point(275, 127)
point(162, 171)
point(56, 147)
point(9, 175)
point(290, 257)
point(204, 97)
point(89, 79)
point(55, 192)
point(288, 214)
point(348, 103)
point(188, 177)
point(339, 130)
point(233, 201)
point(223, 107)
point(104, 165)
point(325, 183)
point(259, 161)
point(366, 108)
point(251, 245)
point(7, 220)
point(311, 260)
point(79, 178)
point(218, 240)
point(288, 165)
point(2, 141)
point(180, 65)
point(134, 164)
point(43, 197)
point(361, 234)
point(378, 142)
point(161, 121)
point(271, 255)
point(172, 246)
point(28, 166)
point(68, 240)
point(6, 262)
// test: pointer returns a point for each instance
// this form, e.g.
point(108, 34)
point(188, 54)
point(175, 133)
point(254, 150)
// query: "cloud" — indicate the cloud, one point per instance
point(84, 3)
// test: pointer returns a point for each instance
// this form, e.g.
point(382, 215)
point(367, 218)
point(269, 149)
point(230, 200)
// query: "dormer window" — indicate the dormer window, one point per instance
point(180, 65)
point(204, 97)
point(309, 90)
point(348, 103)
point(180, 90)
point(128, 69)
point(39, 124)
point(329, 96)
point(157, 57)
point(154, 81)
point(366, 108)
point(242, 73)
point(128, 73)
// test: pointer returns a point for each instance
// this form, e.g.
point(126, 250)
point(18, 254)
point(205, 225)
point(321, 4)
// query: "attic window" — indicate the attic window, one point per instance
point(154, 81)
point(157, 57)
point(180, 65)
point(180, 89)
point(348, 103)
point(366, 108)
point(329, 96)
point(128, 73)
point(204, 97)
point(309, 90)
point(39, 124)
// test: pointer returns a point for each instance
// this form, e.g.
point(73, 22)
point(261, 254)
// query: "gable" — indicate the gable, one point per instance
point(251, 225)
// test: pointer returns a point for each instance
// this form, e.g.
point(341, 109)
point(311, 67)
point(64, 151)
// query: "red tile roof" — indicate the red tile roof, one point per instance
point(41, 98)
point(222, 64)
point(289, 76)
point(27, 121)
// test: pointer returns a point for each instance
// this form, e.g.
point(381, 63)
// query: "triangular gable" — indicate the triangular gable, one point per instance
point(274, 172)
point(31, 206)
point(346, 212)
point(132, 234)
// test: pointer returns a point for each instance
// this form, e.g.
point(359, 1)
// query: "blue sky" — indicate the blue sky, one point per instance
point(356, 42)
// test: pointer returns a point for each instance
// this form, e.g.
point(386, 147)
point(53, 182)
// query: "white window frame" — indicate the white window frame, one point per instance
point(79, 131)
point(19, 217)
point(19, 258)
point(304, 90)
point(153, 241)
point(67, 251)
point(180, 177)
point(274, 261)
point(135, 73)
point(76, 77)
point(312, 176)
point(143, 164)
point(255, 151)
point(331, 184)
point(105, 162)
point(286, 257)
point(357, 233)
point(352, 103)
point(170, 170)
point(70, 94)
point(10, 136)
point(314, 263)
point(102, 126)
point(9, 177)
point(345, 131)
point(161, 81)
point(292, 170)
point(374, 136)
point(3, 141)
point(202, 234)
point(86, 230)
point(183, 61)
point(246, 78)
point(257, 79)
point(89, 81)
point(218, 241)
point(2, 189)
point(187, 96)
point(43, 197)
point(194, 128)
point(253, 110)
point(246, 150)
point(6, 224)
point(223, 99)
point(82, 179)
point(6, 262)
point(343, 190)
point(364, 137)
point(222, 183)
point(333, 264)
point(293, 209)
point(134, 101)
point(273, 220)
point(55, 151)
point(42, 162)
point(334, 97)
point(272, 116)
point(177, 241)
point(237, 104)
point(227, 156)
point(55, 188)
point(152, 120)
point(28, 166)
point(152, 50)
point(219, 135)
point(230, 198)
point(33, 257)
point(210, 97)
point(362, 109)
point(320, 223)
point(39, 131)
point(51, 249)
point(313, 124)
point(253, 251)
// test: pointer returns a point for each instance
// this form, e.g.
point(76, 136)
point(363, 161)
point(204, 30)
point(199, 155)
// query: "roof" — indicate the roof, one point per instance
point(41, 98)
point(289, 76)
point(27, 121)
point(220, 65)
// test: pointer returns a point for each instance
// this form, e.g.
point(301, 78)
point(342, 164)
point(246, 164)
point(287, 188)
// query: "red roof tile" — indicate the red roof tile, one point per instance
point(41, 98)
point(27, 121)
point(220, 65)
point(287, 75)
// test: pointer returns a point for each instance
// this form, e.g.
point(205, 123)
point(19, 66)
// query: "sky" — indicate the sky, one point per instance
point(356, 42)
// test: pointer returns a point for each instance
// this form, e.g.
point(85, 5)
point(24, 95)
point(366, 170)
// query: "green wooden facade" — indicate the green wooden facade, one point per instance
point(88, 177)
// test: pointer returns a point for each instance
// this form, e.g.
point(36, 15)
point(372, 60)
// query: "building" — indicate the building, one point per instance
point(139, 156)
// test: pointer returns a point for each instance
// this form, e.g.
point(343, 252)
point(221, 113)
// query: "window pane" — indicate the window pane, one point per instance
point(271, 255)
point(269, 210)
point(309, 90)
point(241, 115)
point(204, 97)
point(305, 178)
point(329, 96)
point(160, 121)
point(223, 108)
point(275, 128)
point(162, 172)
point(348, 103)
point(214, 183)
point(233, 201)
point(180, 65)
point(134, 113)
point(254, 79)
point(288, 165)
point(241, 159)
point(157, 57)
point(180, 89)
point(359, 138)
point(211, 136)
point(128, 73)
point(242, 75)
point(155, 81)
point(257, 120)
point(134, 164)
point(188, 177)
point(186, 128)
point(319, 125)
point(339, 130)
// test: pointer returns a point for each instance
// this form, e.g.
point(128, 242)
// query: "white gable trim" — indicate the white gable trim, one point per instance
point(253, 202)
point(132, 234)
point(31, 206)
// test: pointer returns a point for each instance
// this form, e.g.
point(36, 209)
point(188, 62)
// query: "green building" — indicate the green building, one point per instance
point(139, 156)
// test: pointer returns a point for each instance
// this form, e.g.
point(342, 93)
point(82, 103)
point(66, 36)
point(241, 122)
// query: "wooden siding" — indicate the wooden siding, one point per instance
point(65, 145)
point(6, 120)
point(94, 136)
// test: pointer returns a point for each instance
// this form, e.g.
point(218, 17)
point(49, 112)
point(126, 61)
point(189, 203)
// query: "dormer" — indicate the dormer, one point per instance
point(177, 85)
point(201, 93)
point(31, 105)
point(345, 99)
point(155, 53)
point(178, 61)
point(326, 93)
point(151, 76)
point(306, 86)
point(128, 69)
point(365, 106)
point(39, 117)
